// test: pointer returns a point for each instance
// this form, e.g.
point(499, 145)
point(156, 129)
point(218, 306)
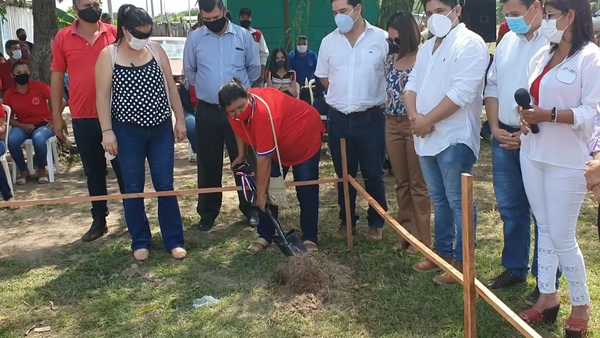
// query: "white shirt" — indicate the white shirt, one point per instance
point(574, 84)
point(508, 73)
point(263, 49)
point(356, 74)
point(456, 70)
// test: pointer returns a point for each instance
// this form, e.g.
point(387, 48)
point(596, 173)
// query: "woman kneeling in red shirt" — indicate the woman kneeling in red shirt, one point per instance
point(267, 119)
point(30, 103)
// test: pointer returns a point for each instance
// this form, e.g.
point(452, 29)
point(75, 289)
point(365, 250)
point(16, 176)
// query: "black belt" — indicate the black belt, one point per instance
point(508, 128)
point(358, 113)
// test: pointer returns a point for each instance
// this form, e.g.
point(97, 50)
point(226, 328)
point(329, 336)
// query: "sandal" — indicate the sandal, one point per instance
point(258, 246)
point(576, 328)
point(141, 255)
point(533, 316)
point(43, 180)
point(179, 253)
point(311, 247)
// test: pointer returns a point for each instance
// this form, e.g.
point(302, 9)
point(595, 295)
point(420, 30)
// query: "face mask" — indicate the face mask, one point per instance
point(90, 14)
point(246, 23)
point(394, 46)
point(549, 30)
point(22, 79)
point(138, 44)
point(440, 25)
point(17, 54)
point(345, 22)
point(518, 25)
point(302, 49)
point(280, 64)
point(23, 37)
point(217, 25)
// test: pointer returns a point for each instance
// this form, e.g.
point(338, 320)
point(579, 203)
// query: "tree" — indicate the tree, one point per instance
point(44, 25)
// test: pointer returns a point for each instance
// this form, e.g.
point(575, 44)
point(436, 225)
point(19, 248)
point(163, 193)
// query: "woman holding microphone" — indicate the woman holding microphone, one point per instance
point(566, 91)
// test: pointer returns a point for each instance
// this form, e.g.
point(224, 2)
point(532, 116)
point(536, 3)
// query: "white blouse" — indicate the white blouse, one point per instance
point(573, 84)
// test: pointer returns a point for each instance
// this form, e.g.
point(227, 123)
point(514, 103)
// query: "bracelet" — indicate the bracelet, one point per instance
point(554, 115)
point(106, 130)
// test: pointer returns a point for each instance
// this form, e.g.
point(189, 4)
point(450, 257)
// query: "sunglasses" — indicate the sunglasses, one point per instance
point(140, 35)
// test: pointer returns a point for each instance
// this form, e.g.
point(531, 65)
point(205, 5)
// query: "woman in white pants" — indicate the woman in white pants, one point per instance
point(566, 91)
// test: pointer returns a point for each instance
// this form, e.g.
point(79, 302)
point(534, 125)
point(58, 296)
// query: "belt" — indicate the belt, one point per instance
point(358, 113)
point(508, 128)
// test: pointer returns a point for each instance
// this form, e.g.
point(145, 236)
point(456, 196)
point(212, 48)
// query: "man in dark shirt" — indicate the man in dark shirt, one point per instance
point(303, 61)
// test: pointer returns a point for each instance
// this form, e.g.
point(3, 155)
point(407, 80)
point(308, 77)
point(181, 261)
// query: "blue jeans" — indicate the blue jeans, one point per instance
point(308, 196)
point(136, 144)
point(514, 209)
point(18, 136)
point(443, 176)
point(365, 139)
point(190, 125)
point(4, 187)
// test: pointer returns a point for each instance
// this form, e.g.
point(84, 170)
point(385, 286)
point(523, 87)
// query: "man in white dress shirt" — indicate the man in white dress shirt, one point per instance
point(351, 67)
point(507, 74)
point(444, 102)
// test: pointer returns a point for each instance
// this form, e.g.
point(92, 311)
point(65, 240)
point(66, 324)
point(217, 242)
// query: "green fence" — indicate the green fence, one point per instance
point(313, 18)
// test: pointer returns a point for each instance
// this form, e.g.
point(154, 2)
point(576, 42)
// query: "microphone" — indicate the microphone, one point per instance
point(524, 101)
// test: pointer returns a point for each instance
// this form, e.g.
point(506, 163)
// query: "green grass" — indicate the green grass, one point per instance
point(97, 293)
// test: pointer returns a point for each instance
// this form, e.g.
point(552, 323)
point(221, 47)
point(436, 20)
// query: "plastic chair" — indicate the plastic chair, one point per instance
point(51, 158)
point(3, 158)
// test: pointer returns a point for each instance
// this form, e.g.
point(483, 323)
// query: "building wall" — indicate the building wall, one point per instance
point(16, 17)
point(308, 17)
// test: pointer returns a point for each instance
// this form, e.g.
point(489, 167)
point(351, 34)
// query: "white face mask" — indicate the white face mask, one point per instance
point(549, 30)
point(138, 44)
point(440, 25)
point(17, 54)
point(302, 49)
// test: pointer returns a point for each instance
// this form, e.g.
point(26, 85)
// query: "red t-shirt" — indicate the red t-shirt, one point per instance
point(2, 115)
point(503, 30)
point(297, 125)
point(31, 107)
point(73, 54)
point(535, 86)
point(6, 76)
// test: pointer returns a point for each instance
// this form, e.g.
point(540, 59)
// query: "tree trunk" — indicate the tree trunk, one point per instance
point(389, 7)
point(44, 26)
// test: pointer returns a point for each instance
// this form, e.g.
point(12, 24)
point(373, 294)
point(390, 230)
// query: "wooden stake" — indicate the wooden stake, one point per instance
point(482, 290)
point(346, 184)
point(470, 293)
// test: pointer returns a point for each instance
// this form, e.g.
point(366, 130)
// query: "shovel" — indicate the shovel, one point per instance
point(289, 243)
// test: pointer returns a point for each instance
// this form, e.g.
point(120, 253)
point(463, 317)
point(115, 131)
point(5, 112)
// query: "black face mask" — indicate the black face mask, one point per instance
point(217, 25)
point(280, 64)
point(394, 46)
point(23, 37)
point(22, 79)
point(90, 14)
point(246, 23)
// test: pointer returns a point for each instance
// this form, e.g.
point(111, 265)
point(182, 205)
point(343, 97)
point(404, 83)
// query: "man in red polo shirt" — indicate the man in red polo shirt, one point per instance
point(260, 116)
point(75, 52)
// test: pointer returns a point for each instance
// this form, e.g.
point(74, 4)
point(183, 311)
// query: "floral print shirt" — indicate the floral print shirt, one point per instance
point(395, 81)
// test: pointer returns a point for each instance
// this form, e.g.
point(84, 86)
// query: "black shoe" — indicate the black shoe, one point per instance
point(97, 230)
point(253, 218)
point(505, 280)
point(532, 298)
point(205, 224)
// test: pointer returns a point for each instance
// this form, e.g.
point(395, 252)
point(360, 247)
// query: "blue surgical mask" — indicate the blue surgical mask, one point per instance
point(518, 25)
point(344, 22)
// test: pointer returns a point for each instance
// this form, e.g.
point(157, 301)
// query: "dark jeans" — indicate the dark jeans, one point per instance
point(214, 132)
point(365, 139)
point(308, 196)
point(4, 187)
point(514, 209)
point(442, 173)
point(157, 144)
point(88, 136)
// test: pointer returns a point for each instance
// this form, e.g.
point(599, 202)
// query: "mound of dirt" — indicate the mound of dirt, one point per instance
point(304, 275)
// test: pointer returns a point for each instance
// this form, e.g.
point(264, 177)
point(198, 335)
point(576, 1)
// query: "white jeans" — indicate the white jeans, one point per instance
point(556, 195)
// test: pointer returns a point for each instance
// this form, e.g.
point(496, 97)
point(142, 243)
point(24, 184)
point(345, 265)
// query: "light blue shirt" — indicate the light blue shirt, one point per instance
point(211, 61)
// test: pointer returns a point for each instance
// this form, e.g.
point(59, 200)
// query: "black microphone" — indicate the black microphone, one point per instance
point(524, 101)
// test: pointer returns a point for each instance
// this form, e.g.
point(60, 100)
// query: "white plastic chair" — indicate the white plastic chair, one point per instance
point(3, 159)
point(51, 158)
